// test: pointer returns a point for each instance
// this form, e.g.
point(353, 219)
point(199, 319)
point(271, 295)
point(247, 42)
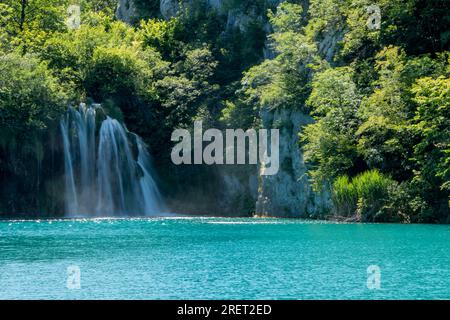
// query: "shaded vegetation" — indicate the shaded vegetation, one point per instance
point(380, 97)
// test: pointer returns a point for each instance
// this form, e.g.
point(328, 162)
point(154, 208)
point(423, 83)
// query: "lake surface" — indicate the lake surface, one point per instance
point(215, 258)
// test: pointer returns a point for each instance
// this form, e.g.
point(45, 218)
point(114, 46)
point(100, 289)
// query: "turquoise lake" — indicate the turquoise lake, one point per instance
point(218, 258)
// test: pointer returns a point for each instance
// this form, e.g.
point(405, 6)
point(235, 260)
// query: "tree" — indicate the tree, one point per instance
point(284, 81)
point(432, 153)
point(32, 20)
point(31, 98)
point(330, 143)
point(384, 139)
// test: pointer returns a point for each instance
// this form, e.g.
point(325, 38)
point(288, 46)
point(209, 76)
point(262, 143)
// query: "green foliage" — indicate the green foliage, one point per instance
point(239, 115)
point(6, 30)
point(330, 143)
point(179, 96)
point(160, 34)
point(206, 54)
point(400, 126)
point(103, 60)
point(330, 153)
point(406, 201)
point(372, 189)
point(31, 98)
point(284, 81)
point(386, 101)
point(117, 73)
point(380, 97)
point(29, 23)
point(432, 153)
point(107, 6)
point(384, 133)
point(288, 17)
point(188, 89)
point(418, 26)
point(35, 15)
point(199, 65)
point(345, 196)
point(366, 195)
point(333, 89)
point(236, 47)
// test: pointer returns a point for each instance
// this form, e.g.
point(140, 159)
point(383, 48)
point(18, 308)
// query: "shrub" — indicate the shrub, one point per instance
point(365, 195)
point(345, 196)
point(372, 188)
point(31, 98)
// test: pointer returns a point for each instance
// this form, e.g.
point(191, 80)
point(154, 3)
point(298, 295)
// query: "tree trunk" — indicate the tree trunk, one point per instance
point(23, 4)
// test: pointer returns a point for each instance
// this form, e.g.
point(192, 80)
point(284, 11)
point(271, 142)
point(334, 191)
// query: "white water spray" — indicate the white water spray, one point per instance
point(108, 175)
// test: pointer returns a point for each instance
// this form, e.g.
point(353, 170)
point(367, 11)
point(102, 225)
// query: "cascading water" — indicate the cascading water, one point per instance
point(108, 175)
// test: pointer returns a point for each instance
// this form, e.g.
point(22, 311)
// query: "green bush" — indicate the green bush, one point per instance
point(31, 98)
point(365, 195)
point(345, 196)
point(407, 204)
point(372, 188)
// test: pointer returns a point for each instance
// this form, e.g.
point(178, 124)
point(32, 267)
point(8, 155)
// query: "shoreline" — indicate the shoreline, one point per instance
point(331, 219)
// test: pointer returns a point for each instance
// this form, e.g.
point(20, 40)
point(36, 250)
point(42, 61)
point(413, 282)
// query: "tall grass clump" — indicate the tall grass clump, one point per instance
point(364, 196)
point(345, 196)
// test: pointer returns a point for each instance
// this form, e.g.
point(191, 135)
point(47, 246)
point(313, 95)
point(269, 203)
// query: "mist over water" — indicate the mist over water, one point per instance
point(107, 173)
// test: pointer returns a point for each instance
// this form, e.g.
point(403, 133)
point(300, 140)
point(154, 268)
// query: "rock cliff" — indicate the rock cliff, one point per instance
point(288, 193)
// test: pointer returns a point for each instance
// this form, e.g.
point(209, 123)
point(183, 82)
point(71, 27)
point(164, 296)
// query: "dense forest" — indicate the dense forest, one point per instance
point(377, 85)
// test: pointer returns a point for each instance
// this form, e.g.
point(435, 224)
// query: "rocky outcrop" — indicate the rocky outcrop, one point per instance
point(169, 8)
point(126, 11)
point(329, 44)
point(289, 193)
point(239, 190)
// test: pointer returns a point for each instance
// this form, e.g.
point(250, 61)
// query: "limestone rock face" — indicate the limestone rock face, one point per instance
point(169, 8)
point(329, 44)
point(240, 190)
point(289, 193)
point(126, 11)
point(216, 4)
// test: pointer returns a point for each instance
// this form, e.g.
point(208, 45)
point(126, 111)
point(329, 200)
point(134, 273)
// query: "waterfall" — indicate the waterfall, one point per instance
point(109, 174)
